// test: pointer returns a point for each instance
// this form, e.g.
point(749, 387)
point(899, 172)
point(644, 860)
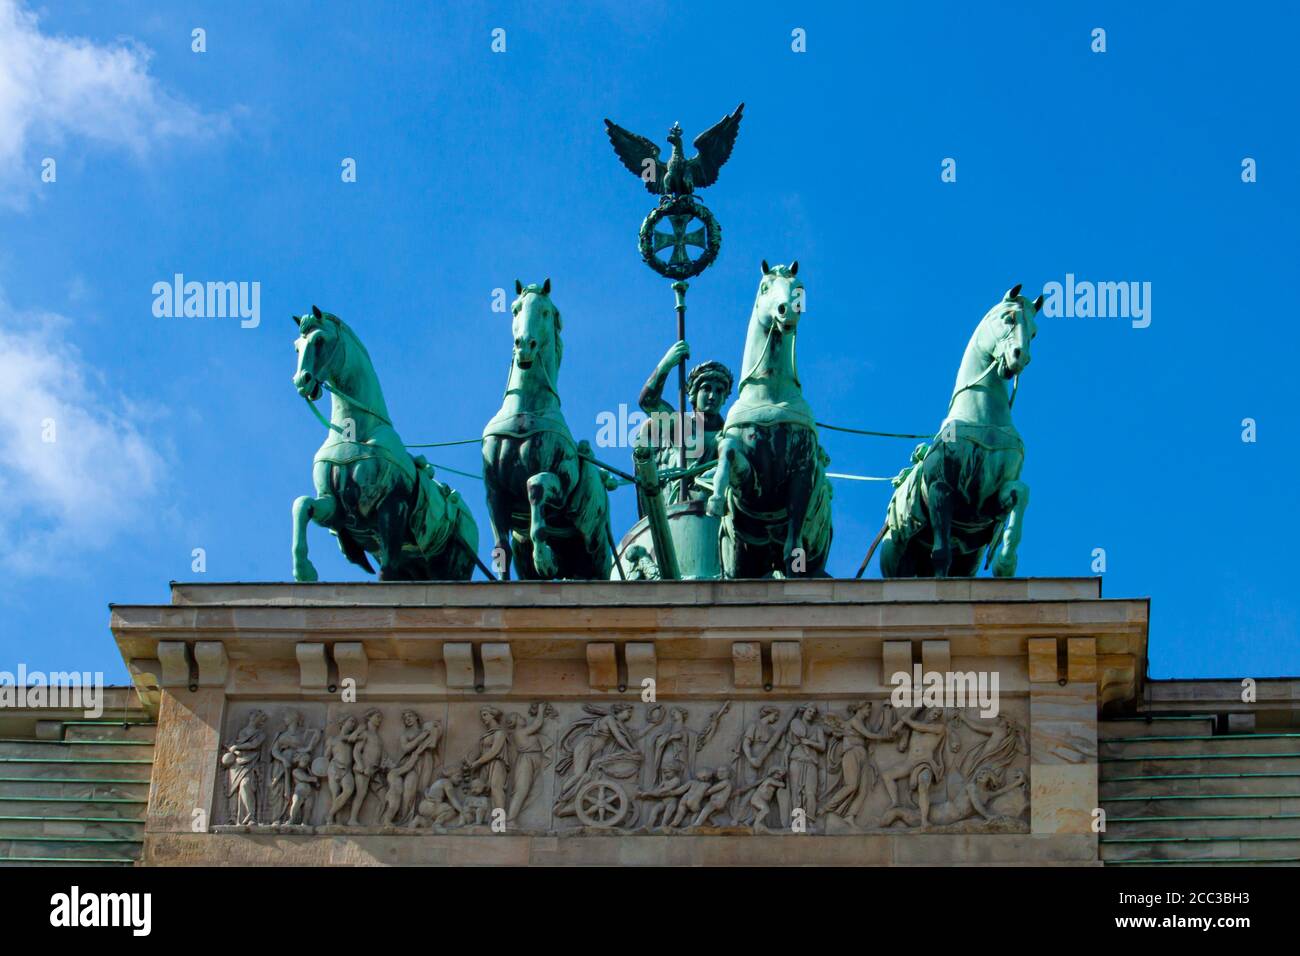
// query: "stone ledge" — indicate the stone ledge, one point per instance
point(634, 593)
point(225, 849)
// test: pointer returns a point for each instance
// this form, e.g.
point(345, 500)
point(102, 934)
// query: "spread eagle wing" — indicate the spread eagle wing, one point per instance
point(633, 151)
point(714, 146)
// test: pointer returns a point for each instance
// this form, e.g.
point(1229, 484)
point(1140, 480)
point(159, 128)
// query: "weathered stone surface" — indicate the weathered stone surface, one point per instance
point(458, 658)
point(352, 662)
point(787, 664)
point(313, 667)
point(602, 666)
point(747, 658)
point(498, 666)
point(572, 770)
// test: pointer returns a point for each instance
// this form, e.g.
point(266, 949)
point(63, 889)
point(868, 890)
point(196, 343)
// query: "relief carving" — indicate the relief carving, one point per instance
point(822, 767)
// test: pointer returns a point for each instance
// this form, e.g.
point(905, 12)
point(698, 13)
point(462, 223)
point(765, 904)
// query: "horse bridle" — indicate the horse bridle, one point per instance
point(1015, 383)
point(339, 345)
point(767, 343)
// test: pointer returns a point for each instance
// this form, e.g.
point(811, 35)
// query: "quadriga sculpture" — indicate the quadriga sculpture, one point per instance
point(370, 492)
point(770, 486)
point(963, 492)
point(549, 505)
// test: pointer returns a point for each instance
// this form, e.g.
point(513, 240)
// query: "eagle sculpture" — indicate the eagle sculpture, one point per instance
point(679, 176)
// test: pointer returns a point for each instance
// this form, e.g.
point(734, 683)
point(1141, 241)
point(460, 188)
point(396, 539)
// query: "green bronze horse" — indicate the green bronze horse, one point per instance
point(370, 492)
point(548, 503)
point(964, 489)
point(770, 486)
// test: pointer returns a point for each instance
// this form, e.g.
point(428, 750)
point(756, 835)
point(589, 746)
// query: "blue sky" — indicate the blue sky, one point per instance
point(474, 168)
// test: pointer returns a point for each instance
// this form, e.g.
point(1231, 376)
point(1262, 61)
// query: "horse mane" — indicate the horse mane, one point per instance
point(353, 338)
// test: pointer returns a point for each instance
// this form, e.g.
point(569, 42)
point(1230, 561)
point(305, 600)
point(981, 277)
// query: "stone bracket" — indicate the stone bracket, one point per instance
point(641, 663)
point(619, 667)
point(313, 666)
point(212, 662)
point(787, 664)
point(352, 662)
point(174, 658)
point(895, 658)
point(747, 663)
point(498, 666)
point(458, 658)
point(602, 665)
point(1044, 667)
point(465, 662)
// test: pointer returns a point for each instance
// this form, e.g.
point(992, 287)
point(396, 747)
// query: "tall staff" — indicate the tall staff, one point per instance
point(690, 223)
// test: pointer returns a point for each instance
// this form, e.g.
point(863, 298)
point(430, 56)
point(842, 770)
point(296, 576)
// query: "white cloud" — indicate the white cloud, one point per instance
point(61, 501)
point(55, 89)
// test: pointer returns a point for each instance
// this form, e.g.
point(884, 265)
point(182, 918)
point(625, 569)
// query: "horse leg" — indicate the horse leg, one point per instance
point(1013, 497)
point(940, 505)
point(795, 561)
point(498, 506)
point(543, 488)
point(733, 470)
point(322, 510)
point(390, 530)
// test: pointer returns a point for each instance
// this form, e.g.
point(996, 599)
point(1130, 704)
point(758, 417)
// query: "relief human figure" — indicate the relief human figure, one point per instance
point(418, 743)
point(288, 743)
point(441, 805)
point(924, 766)
point(692, 796)
point(677, 744)
point(305, 784)
point(855, 766)
point(492, 765)
point(717, 796)
point(338, 750)
point(242, 761)
point(606, 730)
point(662, 799)
point(758, 752)
point(1004, 739)
point(758, 799)
point(975, 798)
point(530, 754)
point(478, 805)
point(807, 743)
point(367, 755)
point(599, 735)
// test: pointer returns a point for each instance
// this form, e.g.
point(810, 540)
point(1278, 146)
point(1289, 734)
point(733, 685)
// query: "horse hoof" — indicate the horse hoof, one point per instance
point(305, 572)
point(715, 507)
point(941, 561)
point(544, 560)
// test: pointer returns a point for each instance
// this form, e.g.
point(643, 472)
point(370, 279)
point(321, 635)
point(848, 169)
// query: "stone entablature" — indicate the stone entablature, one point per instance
point(747, 712)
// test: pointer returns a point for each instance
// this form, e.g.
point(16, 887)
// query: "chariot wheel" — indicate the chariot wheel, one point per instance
point(601, 803)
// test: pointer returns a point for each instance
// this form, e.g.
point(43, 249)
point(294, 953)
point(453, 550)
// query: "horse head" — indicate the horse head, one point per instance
point(320, 347)
point(1006, 331)
point(780, 299)
point(536, 324)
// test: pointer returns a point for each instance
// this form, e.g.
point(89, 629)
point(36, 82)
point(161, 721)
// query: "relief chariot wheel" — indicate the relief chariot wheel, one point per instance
point(601, 803)
point(692, 225)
